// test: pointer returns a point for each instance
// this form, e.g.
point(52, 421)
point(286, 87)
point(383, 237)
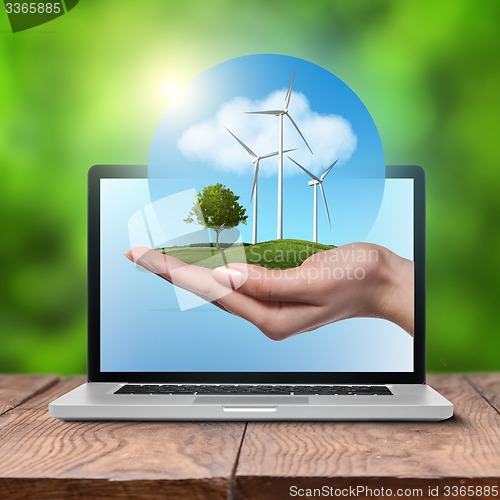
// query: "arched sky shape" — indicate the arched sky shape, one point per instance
point(191, 147)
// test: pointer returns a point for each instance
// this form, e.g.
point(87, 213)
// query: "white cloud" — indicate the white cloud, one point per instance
point(331, 137)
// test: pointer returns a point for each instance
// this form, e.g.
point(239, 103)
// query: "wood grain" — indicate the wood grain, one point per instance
point(275, 456)
point(48, 459)
point(124, 459)
point(488, 385)
point(15, 389)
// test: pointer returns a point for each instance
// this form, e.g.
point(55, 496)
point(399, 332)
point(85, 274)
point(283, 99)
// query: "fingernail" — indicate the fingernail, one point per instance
point(128, 254)
point(228, 277)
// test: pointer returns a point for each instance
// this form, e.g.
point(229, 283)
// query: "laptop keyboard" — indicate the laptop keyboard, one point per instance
point(248, 389)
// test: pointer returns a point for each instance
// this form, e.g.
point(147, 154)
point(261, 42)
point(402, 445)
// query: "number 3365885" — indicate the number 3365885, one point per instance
point(33, 8)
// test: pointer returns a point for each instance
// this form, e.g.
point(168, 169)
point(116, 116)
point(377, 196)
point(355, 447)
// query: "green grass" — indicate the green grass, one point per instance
point(274, 254)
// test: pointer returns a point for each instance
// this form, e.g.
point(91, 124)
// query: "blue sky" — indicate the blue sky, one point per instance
point(354, 189)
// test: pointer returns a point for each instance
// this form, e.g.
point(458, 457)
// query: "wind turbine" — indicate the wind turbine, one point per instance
point(317, 181)
point(256, 161)
point(281, 113)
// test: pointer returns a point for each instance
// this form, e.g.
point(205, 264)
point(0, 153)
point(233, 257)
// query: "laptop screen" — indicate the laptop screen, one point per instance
point(149, 325)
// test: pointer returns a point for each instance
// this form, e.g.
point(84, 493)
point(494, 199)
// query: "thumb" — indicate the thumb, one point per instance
point(231, 275)
point(261, 283)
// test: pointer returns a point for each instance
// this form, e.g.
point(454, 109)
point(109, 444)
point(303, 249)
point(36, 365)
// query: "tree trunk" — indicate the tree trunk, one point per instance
point(217, 239)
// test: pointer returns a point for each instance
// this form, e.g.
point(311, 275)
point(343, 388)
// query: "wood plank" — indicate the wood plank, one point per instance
point(101, 459)
point(488, 385)
point(104, 489)
point(275, 456)
point(15, 389)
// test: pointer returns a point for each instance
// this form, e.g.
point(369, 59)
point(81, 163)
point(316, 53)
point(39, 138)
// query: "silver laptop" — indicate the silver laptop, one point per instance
point(160, 349)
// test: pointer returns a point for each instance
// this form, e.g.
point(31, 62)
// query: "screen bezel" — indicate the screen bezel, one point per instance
point(417, 376)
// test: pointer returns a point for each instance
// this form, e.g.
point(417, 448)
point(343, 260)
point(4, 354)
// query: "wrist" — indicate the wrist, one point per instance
point(393, 298)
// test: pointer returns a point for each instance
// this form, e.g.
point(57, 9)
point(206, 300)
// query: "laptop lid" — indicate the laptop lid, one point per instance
point(139, 331)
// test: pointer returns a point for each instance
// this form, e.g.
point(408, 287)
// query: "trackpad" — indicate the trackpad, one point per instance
point(251, 400)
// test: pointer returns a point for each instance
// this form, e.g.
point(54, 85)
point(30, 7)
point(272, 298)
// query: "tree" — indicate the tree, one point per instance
point(217, 208)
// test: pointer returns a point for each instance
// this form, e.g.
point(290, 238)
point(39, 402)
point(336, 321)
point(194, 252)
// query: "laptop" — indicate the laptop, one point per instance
point(160, 350)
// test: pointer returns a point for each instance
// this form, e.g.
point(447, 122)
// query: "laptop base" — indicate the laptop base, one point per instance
point(97, 401)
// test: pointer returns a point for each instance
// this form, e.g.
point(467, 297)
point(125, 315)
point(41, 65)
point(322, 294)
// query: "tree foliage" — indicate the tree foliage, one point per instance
point(217, 208)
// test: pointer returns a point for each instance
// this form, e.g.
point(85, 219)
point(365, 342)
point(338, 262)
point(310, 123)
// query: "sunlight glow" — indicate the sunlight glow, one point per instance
point(168, 88)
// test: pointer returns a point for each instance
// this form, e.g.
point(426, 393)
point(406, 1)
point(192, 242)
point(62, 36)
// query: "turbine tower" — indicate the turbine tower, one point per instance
point(256, 161)
point(317, 181)
point(281, 113)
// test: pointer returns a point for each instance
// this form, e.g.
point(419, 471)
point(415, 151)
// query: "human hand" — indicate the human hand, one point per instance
point(352, 281)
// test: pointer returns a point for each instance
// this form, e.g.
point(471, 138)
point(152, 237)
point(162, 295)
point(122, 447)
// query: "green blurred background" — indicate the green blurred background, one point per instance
point(91, 86)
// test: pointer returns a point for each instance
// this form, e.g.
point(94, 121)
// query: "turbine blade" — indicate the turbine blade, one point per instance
point(326, 204)
point(300, 133)
point(275, 153)
point(289, 92)
point(275, 112)
point(248, 150)
point(305, 170)
point(269, 155)
point(327, 171)
point(255, 179)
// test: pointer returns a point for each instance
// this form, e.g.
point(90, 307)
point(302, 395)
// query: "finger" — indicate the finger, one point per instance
point(153, 261)
point(195, 279)
point(139, 252)
point(290, 285)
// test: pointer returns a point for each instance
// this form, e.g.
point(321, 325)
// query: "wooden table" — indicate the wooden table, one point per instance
point(44, 458)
